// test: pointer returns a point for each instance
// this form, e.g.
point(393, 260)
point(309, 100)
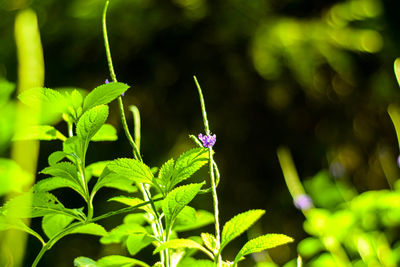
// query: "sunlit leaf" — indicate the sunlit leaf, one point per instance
point(12, 223)
point(176, 200)
point(54, 223)
point(181, 243)
point(190, 219)
point(262, 243)
point(238, 224)
point(63, 169)
point(39, 132)
point(103, 94)
point(12, 177)
point(90, 123)
point(85, 262)
point(120, 261)
point(132, 169)
point(53, 183)
point(107, 132)
point(90, 229)
point(210, 242)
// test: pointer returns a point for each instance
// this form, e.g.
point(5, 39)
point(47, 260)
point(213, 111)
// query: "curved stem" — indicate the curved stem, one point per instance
point(40, 255)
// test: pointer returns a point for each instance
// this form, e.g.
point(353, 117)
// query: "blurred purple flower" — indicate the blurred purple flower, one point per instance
point(303, 202)
point(106, 81)
point(337, 170)
point(398, 161)
point(208, 140)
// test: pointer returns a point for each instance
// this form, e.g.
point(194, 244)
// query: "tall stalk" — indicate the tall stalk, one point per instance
point(212, 167)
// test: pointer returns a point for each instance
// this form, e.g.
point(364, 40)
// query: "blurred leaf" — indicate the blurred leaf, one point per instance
point(181, 243)
point(136, 242)
point(97, 168)
point(119, 261)
point(238, 224)
point(90, 229)
point(12, 223)
point(190, 262)
point(104, 94)
point(325, 259)
point(190, 219)
point(85, 262)
point(262, 243)
point(309, 246)
point(107, 132)
point(210, 242)
point(13, 178)
point(39, 132)
point(54, 223)
point(6, 89)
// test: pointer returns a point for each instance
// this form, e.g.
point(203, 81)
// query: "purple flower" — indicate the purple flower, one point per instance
point(303, 202)
point(208, 140)
point(106, 81)
point(398, 161)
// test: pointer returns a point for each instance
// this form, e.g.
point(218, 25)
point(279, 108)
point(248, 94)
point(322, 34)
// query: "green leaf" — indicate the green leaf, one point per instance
point(190, 262)
point(84, 262)
point(6, 89)
point(190, 220)
point(89, 124)
point(42, 203)
point(310, 246)
point(12, 223)
point(188, 163)
point(210, 242)
point(90, 229)
point(104, 94)
point(64, 170)
point(176, 200)
point(39, 132)
point(56, 157)
point(75, 104)
point(12, 177)
point(114, 180)
point(97, 168)
point(72, 146)
point(132, 169)
point(107, 132)
point(120, 261)
point(238, 224)
point(53, 183)
point(166, 172)
point(182, 243)
point(55, 223)
point(262, 243)
point(50, 103)
point(136, 242)
point(121, 232)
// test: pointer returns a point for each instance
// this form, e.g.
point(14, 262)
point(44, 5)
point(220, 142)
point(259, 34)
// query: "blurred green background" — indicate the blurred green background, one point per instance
point(316, 76)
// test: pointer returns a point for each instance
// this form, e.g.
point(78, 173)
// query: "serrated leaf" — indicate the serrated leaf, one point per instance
point(187, 164)
point(113, 180)
point(11, 223)
point(90, 229)
point(56, 156)
point(130, 201)
point(72, 146)
point(54, 223)
point(210, 242)
point(104, 94)
point(238, 224)
point(84, 262)
point(182, 243)
point(43, 203)
point(262, 243)
point(132, 169)
point(64, 170)
point(176, 200)
point(89, 124)
point(53, 183)
point(166, 172)
point(202, 218)
point(39, 132)
point(107, 132)
point(120, 261)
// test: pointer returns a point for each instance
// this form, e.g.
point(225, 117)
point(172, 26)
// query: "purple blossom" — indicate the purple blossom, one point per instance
point(106, 81)
point(208, 140)
point(303, 202)
point(398, 161)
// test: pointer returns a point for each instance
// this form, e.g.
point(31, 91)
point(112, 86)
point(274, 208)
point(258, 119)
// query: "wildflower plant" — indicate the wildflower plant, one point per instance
point(158, 196)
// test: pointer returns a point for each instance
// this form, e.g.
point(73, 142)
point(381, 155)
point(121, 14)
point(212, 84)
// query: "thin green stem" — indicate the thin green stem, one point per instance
point(136, 152)
point(212, 166)
point(40, 255)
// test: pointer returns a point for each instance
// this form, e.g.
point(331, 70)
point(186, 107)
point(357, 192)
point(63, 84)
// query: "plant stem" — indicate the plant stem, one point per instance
point(40, 255)
point(212, 165)
point(114, 79)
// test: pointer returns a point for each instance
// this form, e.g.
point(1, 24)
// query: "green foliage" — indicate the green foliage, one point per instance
point(39, 132)
point(107, 132)
point(89, 124)
point(54, 223)
point(176, 200)
point(262, 243)
point(182, 243)
point(12, 223)
point(13, 178)
point(190, 219)
point(238, 224)
point(210, 242)
point(109, 261)
point(91, 229)
point(132, 169)
point(103, 94)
